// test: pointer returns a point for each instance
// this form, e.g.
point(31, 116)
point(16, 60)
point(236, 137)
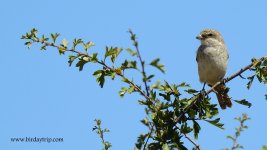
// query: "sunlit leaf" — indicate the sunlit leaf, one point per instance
point(131, 52)
point(54, 37)
point(81, 63)
point(128, 64)
point(156, 64)
point(65, 43)
point(165, 147)
point(123, 91)
point(88, 45)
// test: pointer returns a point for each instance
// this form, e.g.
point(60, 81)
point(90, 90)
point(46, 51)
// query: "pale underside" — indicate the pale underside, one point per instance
point(212, 63)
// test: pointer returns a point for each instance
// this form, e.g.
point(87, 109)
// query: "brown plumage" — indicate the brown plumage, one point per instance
point(222, 96)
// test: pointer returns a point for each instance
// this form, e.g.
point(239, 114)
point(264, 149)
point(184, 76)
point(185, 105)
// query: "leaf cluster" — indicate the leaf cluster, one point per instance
point(98, 129)
point(237, 134)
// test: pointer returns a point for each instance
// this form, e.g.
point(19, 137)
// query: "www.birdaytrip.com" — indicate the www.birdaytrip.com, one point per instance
point(37, 139)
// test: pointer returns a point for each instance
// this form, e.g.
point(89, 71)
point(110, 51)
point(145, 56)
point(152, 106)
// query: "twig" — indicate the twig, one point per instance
point(241, 128)
point(148, 137)
point(190, 139)
point(135, 43)
point(101, 132)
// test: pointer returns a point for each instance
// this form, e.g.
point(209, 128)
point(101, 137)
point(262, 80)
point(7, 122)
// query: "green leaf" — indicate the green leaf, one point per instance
point(165, 96)
point(76, 42)
point(264, 147)
point(61, 50)
point(145, 121)
point(125, 80)
point(165, 147)
point(244, 102)
point(185, 128)
point(251, 78)
point(196, 129)
point(34, 33)
point(81, 63)
point(43, 47)
point(106, 130)
point(122, 91)
point(148, 79)
point(216, 123)
point(155, 85)
point(156, 64)
point(54, 37)
point(183, 84)
point(128, 65)
point(88, 45)
point(110, 73)
point(230, 137)
point(140, 141)
point(131, 52)
point(191, 91)
point(94, 58)
point(100, 77)
point(23, 37)
point(28, 43)
point(44, 38)
point(131, 89)
point(71, 59)
point(113, 53)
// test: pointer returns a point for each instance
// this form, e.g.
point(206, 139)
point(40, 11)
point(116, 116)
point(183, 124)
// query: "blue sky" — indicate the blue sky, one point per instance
point(42, 97)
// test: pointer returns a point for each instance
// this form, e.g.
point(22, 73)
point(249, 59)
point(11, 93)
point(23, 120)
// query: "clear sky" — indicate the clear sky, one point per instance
point(42, 97)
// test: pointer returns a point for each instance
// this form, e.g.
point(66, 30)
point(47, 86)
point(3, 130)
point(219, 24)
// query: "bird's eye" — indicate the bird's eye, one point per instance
point(210, 34)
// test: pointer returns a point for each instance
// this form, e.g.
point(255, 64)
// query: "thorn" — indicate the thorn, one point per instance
point(241, 76)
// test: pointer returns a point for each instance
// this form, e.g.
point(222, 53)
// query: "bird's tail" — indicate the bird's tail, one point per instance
point(222, 96)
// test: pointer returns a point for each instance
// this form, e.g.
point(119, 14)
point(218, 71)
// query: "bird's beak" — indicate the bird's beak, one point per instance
point(199, 37)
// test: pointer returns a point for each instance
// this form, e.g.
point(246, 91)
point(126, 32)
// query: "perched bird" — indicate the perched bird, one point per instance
point(212, 58)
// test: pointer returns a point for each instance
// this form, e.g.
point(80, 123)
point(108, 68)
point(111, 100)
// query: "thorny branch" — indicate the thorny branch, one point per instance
point(135, 43)
point(198, 97)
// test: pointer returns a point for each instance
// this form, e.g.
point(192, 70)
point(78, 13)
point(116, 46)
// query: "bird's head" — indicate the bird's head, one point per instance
point(210, 37)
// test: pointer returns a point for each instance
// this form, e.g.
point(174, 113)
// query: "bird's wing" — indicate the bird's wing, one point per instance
point(200, 51)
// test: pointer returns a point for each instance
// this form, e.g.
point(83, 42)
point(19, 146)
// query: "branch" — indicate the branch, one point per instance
point(148, 136)
point(135, 43)
point(189, 139)
point(100, 132)
point(198, 97)
point(99, 62)
point(241, 127)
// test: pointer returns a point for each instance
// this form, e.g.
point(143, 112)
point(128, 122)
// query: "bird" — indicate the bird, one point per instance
point(212, 59)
